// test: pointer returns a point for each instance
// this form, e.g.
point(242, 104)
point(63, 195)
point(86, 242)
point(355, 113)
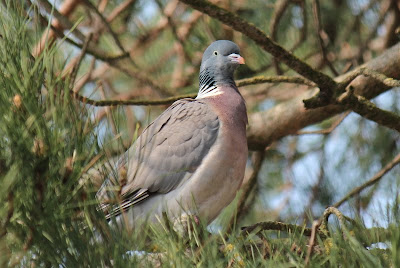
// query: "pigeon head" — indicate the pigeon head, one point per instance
point(222, 57)
point(218, 64)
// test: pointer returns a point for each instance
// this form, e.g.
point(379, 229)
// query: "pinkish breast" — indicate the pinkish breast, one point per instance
point(230, 108)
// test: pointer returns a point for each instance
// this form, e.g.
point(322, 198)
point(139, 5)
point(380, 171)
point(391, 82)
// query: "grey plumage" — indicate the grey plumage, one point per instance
point(191, 148)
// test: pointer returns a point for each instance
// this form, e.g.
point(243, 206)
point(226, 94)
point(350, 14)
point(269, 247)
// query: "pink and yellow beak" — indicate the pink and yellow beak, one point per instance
point(237, 58)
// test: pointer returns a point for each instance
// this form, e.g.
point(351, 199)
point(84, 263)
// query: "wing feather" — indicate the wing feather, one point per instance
point(165, 155)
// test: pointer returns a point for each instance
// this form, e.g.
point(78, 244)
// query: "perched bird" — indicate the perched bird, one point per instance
point(192, 158)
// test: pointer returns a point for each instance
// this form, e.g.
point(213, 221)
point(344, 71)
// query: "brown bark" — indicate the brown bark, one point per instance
point(289, 117)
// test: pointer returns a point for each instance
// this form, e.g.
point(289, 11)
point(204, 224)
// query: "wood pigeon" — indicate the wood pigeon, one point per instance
point(191, 159)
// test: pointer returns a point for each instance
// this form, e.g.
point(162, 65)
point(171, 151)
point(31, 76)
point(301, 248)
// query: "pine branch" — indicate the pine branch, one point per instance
point(326, 84)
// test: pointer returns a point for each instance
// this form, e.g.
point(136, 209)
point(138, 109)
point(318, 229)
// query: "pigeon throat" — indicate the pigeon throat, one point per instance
point(209, 84)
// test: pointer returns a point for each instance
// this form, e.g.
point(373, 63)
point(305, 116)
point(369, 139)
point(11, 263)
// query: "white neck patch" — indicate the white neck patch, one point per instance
point(206, 92)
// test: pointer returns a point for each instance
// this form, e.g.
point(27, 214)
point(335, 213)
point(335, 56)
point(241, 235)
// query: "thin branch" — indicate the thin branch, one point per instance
point(144, 39)
point(349, 31)
point(174, 31)
point(280, 8)
point(185, 30)
point(382, 15)
point(48, 36)
point(106, 24)
point(181, 51)
point(324, 82)
point(278, 226)
point(293, 116)
point(179, 80)
point(303, 33)
point(315, 101)
point(369, 110)
point(100, 103)
point(311, 242)
point(316, 188)
point(376, 178)
point(84, 78)
point(387, 81)
point(118, 10)
point(328, 130)
point(391, 25)
point(240, 83)
point(91, 50)
point(75, 68)
point(116, 62)
point(318, 26)
point(274, 79)
point(62, 21)
point(325, 217)
point(94, 51)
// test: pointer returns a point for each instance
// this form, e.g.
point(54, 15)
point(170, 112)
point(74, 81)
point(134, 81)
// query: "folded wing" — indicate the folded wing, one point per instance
point(163, 158)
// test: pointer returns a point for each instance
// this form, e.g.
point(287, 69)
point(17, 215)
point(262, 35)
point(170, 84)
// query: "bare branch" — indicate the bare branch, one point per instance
point(174, 30)
point(240, 83)
point(116, 62)
point(289, 117)
point(91, 50)
point(369, 110)
point(311, 242)
point(66, 9)
point(274, 79)
point(328, 130)
point(118, 10)
point(278, 226)
point(382, 14)
point(390, 82)
point(130, 102)
point(317, 21)
point(325, 217)
point(280, 8)
point(106, 24)
point(75, 68)
point(315, 101)
point(324, 82)
point(376, 178)
point(303, 33)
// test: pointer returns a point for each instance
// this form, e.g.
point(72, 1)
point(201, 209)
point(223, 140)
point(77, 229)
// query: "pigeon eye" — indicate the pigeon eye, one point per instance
point(215, 53)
